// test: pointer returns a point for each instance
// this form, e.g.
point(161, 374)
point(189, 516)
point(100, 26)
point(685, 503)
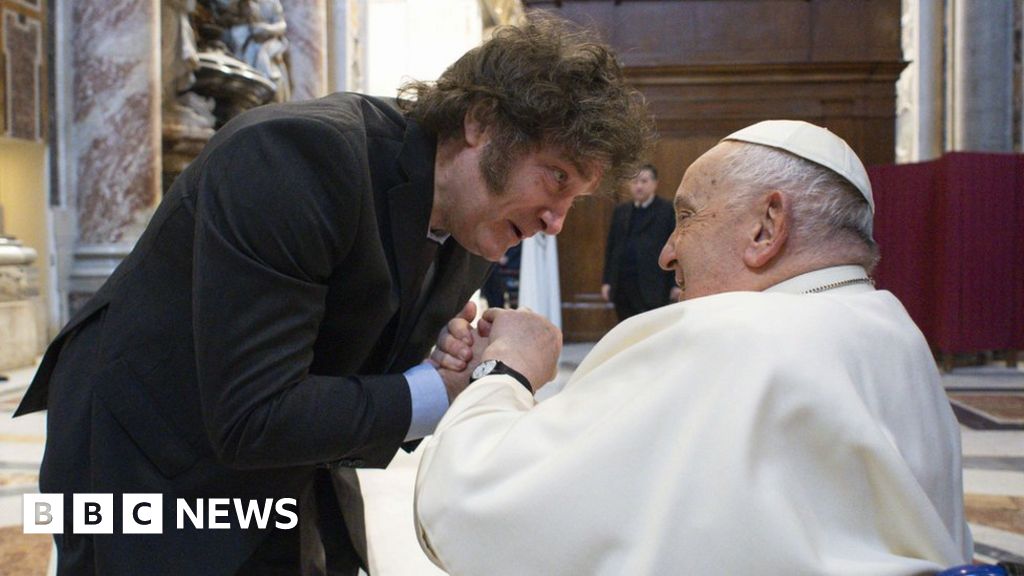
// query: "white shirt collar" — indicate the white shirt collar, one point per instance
point(440, 236)
point(645, 203)
point(823, 278)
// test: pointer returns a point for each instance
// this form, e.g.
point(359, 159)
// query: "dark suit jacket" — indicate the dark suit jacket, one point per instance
point(245, 342)
point(653, 231)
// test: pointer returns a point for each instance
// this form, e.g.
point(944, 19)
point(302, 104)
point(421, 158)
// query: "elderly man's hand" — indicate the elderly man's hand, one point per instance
point(525, 341)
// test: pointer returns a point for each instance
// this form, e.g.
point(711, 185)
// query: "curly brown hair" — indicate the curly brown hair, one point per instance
point(543, 83)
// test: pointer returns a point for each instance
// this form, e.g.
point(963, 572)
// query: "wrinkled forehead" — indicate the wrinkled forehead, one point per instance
point(705, 176)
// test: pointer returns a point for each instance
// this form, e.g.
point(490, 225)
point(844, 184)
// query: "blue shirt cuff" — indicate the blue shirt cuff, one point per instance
point(429, 400)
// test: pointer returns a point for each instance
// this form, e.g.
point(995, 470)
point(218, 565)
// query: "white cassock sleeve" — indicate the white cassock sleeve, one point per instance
point(483, 414)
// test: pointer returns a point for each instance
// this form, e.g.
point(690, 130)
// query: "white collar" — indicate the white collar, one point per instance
point(819, 279)
point(646, 203)
point(440, 236)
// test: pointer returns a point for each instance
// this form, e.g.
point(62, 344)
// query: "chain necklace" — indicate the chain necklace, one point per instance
point(840, 284)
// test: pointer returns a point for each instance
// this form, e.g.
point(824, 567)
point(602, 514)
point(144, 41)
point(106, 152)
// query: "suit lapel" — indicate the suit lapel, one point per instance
point(451, 270)
point(409, 223)
point(457, 276)
point(409, 207)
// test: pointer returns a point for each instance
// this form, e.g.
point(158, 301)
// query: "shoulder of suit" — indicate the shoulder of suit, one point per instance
point(348, 114)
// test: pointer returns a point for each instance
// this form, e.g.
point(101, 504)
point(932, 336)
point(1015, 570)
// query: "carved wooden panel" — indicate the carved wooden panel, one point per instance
point(710, 67)
point(23, 69)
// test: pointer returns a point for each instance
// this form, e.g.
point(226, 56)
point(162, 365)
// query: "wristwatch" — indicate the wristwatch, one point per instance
point(489, 367)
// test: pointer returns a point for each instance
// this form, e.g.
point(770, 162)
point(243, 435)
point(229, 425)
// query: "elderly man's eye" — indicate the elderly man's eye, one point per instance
point(560, 176)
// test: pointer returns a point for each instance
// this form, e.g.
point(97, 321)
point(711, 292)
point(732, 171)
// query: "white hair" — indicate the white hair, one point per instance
point(828, 212)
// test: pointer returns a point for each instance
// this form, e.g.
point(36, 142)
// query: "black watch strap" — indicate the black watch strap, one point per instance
point(491, 367)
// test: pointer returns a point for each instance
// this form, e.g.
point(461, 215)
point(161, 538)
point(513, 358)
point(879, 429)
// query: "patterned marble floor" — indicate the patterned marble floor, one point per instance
point(988, 400)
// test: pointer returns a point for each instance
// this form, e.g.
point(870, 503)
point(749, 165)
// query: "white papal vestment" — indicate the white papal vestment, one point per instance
point(772, 433)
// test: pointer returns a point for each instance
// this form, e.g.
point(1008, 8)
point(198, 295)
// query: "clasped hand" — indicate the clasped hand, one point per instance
point(523, 340)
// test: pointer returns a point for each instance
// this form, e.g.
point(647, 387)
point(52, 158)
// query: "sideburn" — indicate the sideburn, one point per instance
point(496, 166)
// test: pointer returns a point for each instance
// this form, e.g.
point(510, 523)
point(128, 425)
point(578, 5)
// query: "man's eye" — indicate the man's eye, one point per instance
point(560, 176)
point(681, 217)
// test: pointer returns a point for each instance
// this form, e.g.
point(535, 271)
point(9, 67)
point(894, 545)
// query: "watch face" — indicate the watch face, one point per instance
point(484, 368)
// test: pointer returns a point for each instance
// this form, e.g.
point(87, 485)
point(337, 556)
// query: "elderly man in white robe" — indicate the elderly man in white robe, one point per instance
point(785, 417)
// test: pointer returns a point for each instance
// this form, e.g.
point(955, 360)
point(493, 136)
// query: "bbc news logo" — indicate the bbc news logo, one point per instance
point(143, 513)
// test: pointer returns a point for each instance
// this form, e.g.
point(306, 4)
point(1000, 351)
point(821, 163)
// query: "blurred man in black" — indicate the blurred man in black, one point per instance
point(633, 281)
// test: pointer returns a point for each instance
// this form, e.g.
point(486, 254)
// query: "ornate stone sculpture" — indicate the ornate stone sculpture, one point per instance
point(204, 84)
point(183, 110)
point(187, 117)
point(234, 84)
point(255, 34)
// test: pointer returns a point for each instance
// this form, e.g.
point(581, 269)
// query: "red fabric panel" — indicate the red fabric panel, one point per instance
point(978, 280)
point(951, 233)
point(1017, 261)
point(904, 230)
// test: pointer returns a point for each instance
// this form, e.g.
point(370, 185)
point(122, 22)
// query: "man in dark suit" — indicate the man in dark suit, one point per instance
point(633, 281)
point(266, 334)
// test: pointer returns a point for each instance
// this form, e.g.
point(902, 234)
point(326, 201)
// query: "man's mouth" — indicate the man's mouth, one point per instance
point(519, 233)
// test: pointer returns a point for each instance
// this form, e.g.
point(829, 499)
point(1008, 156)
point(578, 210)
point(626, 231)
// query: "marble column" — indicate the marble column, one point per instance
point(113, 138)
point(919, 100)
point(307, 47)
point(346, 57)
point(982, 76)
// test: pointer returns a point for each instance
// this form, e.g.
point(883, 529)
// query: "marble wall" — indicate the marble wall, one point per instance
point(307, 38)
point(346, 50)
point(115, 111)
point(22, 69)
point(981, 46)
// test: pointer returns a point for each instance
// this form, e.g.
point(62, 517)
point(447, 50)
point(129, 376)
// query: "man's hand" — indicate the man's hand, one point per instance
point(524, 341)
point(459, 350)
point(606, 292)
point(455, 341)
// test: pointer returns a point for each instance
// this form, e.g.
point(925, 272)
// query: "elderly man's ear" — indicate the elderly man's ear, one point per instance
point(769, 230)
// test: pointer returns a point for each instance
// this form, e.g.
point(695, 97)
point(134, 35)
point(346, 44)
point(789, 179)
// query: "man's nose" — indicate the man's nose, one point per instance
point(554, 216)
point(553, 220)
point(667, 259)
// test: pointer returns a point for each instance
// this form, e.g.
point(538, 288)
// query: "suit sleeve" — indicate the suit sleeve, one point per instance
point(278, 206)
